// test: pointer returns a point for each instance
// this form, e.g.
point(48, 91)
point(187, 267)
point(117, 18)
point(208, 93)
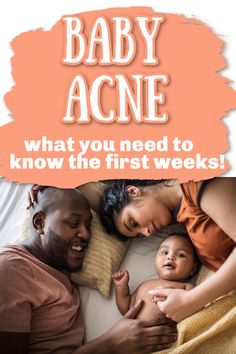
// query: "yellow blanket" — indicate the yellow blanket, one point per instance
point(211, 330)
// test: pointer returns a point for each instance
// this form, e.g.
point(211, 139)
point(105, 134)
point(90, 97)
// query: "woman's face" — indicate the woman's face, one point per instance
point(145, 215)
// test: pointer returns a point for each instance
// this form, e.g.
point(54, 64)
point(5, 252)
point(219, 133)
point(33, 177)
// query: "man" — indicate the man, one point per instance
point(40, 307)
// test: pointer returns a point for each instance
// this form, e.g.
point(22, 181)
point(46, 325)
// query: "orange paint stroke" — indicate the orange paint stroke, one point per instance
point(197, 97)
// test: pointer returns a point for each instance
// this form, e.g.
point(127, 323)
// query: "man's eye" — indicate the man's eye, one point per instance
point(73, 225)
point(88, 226)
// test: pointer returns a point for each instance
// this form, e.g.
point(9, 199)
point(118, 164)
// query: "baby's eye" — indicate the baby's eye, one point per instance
point(164, 253)
point(182, 255)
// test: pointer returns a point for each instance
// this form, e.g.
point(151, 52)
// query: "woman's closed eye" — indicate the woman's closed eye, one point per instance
point(133, 223)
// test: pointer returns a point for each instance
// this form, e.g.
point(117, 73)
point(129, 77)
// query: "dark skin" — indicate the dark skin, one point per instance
point(67, 224)
point(55, 233)
point(14, 342)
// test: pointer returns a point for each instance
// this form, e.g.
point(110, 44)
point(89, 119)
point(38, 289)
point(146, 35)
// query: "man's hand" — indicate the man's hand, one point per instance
point(135, 336)
point(176, 304)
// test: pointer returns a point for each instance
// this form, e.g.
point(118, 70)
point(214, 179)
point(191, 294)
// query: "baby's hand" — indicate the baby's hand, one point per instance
point(121, 277)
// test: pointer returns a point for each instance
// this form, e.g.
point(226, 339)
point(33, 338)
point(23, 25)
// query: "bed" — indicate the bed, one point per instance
point(212, 330)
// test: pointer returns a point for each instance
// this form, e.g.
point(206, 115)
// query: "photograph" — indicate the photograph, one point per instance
point(117, 177)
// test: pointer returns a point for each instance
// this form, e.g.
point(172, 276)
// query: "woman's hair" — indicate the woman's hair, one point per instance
point(115, 198)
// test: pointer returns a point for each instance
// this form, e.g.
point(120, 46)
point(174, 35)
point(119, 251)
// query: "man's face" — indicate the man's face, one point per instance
point(67, 233)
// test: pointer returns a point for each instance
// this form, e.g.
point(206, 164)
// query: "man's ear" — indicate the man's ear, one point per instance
point(38, 221)
point(133, 191)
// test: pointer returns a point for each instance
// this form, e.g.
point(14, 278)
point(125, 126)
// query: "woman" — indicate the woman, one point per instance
point(208, 210)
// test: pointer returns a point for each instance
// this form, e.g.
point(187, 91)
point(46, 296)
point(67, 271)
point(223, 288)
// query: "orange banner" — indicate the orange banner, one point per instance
point(118, 93)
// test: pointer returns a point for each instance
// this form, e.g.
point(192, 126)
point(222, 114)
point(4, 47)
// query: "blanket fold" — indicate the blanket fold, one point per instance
point(211, 330)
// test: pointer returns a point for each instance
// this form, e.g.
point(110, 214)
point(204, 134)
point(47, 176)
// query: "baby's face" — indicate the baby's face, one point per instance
point(175, 259)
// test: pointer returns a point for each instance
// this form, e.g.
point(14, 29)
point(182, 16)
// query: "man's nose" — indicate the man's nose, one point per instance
point(83, 233)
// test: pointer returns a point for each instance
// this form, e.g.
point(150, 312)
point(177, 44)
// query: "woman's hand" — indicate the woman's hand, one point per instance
point(32, 195)
point(176, 303)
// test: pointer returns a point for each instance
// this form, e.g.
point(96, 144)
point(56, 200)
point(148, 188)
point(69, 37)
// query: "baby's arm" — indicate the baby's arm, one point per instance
point(122, 292)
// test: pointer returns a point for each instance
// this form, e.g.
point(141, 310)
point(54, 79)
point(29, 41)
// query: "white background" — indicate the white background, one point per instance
point(17, 16)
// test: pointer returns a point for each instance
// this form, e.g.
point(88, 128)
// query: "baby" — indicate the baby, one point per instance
point(175, 262)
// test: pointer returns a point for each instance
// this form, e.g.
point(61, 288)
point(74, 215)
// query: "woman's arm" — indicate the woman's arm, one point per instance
point(32, 195)
point(219, 202)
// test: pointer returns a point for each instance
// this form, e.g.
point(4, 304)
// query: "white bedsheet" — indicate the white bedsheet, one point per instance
point(13, 201)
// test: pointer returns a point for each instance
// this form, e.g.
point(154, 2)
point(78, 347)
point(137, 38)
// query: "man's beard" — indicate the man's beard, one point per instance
point(57, 252)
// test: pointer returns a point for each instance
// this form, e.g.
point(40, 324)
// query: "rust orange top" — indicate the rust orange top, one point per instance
point(212, 244)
